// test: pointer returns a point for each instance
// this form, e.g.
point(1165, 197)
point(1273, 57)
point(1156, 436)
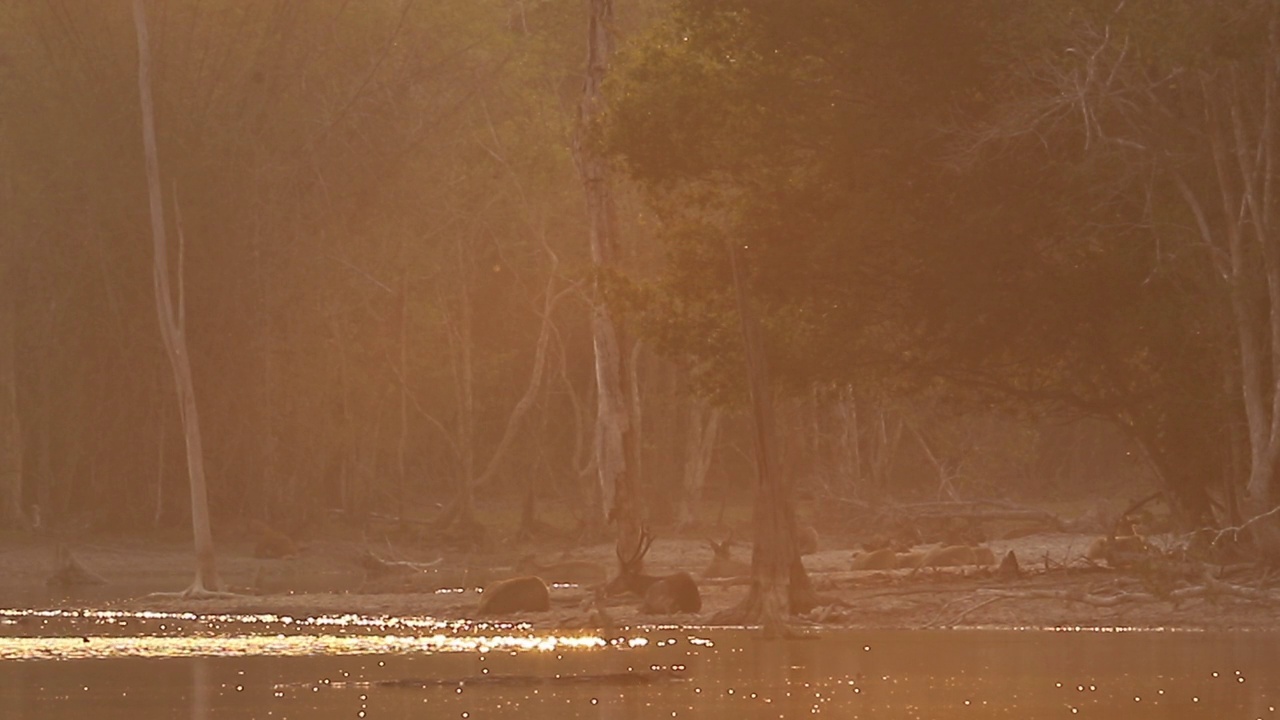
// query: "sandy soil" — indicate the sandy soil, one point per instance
point(1056, 586)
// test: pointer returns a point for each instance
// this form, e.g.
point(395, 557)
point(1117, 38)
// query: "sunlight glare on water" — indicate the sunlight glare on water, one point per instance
point(307, 636)
point(71, 665)
point(106, 647)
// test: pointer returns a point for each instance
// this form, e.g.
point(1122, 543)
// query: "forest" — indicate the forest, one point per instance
point(995, 249)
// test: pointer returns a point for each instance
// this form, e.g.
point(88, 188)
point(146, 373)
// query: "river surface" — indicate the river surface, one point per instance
point(75, 665)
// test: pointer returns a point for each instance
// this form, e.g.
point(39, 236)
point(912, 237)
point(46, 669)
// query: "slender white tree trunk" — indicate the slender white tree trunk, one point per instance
point(614, 436)
point(700, 442)
point(1255, 159)
point(11, 511)
point(850, 450)
point(173, 322)
point(461, 346)
point(1243, 151)
point(11, 514)
point(402, 363)
point(459, 517)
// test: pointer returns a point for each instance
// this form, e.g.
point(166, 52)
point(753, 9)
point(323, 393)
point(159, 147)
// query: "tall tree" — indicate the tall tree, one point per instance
point(311, 140)
point(779, 581)
point(1176, 106)
point(11, 511)
point(173, 323)
point(701, 432)
point(822, 136)
point(615, 438)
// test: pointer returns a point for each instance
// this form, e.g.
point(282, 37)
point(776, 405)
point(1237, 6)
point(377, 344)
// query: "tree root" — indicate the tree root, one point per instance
point(765, 610)
point(199, 588)
point(197, 591)
point(756, 610)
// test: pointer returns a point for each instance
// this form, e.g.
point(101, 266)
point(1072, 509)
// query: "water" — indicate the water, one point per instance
point(129, 665)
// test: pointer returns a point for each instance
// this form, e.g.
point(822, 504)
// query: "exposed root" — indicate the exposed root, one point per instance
point(199, 588)
point(764, 610)
point(197, 591)
point(753, 611)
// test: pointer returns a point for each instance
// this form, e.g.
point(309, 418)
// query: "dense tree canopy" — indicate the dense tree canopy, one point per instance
point(922, 197)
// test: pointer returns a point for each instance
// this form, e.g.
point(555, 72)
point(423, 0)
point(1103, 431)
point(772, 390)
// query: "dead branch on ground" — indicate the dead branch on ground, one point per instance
point(379, 567)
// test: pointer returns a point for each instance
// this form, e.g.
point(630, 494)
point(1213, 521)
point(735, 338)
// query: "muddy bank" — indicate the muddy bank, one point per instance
point(1056, 586)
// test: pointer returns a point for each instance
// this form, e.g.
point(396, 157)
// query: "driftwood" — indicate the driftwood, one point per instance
point(69, 572)
point(378, 567)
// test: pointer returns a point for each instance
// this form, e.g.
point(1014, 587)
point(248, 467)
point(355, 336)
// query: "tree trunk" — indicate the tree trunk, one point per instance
point(834, 437)
point(276, 497)
point(582, 464)
point(459, 520)
point(1244, 161)
point(615, 446)
point(11, 514)
point(173, 323)
point(884, 439)
point(402, 364)
point(162, 418)
point(849, 465)
point(700, 443)
point(779, 581)
point(636, 408)
point(1229, 104)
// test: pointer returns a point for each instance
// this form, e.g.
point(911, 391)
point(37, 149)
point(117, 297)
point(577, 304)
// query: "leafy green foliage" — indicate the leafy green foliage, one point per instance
point(912, 210)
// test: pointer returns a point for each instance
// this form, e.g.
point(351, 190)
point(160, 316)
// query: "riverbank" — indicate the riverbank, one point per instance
point(1056, 587)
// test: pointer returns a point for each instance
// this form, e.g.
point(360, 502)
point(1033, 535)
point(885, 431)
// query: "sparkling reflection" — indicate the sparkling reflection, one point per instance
point(175, 664)
point(62, 648)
